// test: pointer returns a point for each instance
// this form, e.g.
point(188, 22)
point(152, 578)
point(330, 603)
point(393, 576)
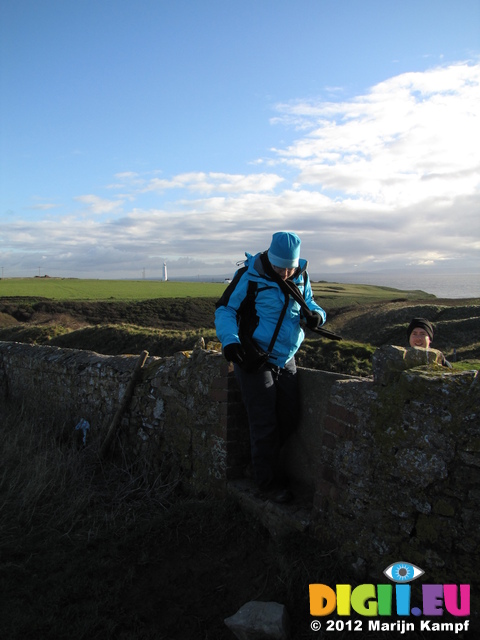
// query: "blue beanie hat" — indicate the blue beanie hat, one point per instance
point(284, 250)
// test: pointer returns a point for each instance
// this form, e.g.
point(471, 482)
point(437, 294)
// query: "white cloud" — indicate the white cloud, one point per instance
point(411, 137)
point(44, 207)
point(98, 205)
point(387, 179)
point(207, 183)
point(126, 175)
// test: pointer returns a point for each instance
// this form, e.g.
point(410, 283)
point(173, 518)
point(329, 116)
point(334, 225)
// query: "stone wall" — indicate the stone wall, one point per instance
point(177, 413)
point(186, 408)
point(399, 477)
point(393, 461)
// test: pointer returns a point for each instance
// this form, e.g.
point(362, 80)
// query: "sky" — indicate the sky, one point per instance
point(141, 132)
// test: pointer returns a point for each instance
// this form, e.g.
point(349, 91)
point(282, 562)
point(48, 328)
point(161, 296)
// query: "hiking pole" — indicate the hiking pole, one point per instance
point(123, 405)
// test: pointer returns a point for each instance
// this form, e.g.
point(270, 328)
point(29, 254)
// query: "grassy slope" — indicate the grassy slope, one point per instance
point(77, 315)
point(336, 296)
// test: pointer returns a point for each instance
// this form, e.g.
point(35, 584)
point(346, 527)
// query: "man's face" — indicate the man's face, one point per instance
point(419, 338)
point(284, 273)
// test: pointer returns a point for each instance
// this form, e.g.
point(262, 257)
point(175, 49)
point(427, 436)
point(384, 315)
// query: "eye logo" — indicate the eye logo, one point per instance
point(403, 572)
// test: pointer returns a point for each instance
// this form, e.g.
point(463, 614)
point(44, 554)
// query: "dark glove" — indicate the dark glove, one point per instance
point(234, 353)
point(313, 320)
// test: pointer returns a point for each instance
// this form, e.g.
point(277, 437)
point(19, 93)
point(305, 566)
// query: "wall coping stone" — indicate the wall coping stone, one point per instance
point(389, 361)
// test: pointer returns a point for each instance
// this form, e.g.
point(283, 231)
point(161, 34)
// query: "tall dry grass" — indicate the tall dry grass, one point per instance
point(65, 515)
point(51, 481)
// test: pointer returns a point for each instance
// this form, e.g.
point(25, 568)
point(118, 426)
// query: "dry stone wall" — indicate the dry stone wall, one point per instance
point(393, 461)
point(399, 477)
point(177, 413)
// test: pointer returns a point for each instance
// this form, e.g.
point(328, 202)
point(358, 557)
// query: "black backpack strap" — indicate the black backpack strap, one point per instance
point(277, 328)
point(223, 301)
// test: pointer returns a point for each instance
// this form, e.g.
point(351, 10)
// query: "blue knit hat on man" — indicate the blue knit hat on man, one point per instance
point(284, 250)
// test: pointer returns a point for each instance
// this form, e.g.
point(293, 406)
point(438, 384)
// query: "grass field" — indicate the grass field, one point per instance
point(130, 290)
point(333, 295)
point(122, 290)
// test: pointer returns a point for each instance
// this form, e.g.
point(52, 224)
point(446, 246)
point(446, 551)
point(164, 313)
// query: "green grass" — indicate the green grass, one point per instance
point(351, 358)
point(121, 290)
point(129, 290)
point(333, 295)
point(467, 365)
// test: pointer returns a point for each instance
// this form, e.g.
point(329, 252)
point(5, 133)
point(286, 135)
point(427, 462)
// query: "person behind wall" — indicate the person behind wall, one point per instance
point(420, 335)
point(258, 323)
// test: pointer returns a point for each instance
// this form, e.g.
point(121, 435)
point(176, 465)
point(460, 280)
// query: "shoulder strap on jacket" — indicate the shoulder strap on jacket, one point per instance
point(279, 324)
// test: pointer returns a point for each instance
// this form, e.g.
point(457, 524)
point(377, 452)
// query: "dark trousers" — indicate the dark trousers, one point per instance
point(271, 399)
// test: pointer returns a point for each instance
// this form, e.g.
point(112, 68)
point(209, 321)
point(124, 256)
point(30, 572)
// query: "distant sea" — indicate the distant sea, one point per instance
point(442, 285)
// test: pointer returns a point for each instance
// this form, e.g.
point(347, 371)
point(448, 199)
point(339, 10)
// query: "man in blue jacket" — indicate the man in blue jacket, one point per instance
point(258, 323)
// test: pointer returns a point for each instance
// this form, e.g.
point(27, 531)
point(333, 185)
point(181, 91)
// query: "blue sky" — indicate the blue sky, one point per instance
point(135, 132)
